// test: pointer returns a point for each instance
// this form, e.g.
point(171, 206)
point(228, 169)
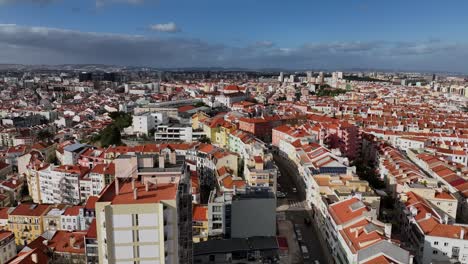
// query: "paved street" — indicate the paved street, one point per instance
point(293, 205)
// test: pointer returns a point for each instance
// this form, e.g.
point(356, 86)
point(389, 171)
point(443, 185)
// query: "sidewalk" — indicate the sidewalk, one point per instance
point(292, 167)
point(286, 229)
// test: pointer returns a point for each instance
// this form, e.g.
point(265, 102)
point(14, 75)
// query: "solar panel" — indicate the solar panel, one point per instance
point(357, 205)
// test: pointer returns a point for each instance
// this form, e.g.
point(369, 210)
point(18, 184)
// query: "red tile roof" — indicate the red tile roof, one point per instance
point(153, 195)
point(200, 213)
point(30, 210)
point(342, 212)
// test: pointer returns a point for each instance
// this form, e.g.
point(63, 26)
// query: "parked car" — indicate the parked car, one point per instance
point(305, 252)
point(280, 195)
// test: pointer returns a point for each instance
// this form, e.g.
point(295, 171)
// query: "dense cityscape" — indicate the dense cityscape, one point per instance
point(124, 165)
point(233, 132)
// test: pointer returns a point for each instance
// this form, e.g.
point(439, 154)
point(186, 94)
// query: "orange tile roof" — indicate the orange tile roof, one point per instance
point(61, 242)
point(26, 257)
point(5, 234)
point(91, 202)
point(200, 213)
point(357, 236)
point(381, 259)
point(153, 195)
point(343, 213)
point(92, 231)
point(30, 209)
point(72, 211)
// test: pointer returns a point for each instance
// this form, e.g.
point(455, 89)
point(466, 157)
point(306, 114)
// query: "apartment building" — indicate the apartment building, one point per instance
point(145, 221)
point(100, 176)
point(59, 184)
point(200, 223)
point(353, 235)
point(177, 133)
point(7, 246)
point(428, 233)
point(26, 222)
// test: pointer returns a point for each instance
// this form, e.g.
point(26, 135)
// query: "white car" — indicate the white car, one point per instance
point(280, 195)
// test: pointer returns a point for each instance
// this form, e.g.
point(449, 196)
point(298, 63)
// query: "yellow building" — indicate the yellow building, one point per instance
point(222, 134)
point(200, 223)
point(197, 119)
point(26, 222)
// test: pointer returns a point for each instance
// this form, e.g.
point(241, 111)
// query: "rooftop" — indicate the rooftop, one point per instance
point(155, 194)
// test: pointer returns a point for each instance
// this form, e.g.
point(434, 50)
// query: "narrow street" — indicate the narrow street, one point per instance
point(296, 212)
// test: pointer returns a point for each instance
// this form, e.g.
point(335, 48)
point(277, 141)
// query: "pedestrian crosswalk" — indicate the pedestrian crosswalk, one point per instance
point(295, 204)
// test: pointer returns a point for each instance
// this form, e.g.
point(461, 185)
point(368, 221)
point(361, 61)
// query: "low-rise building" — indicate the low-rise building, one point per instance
point(26, 222)
point(7, 246)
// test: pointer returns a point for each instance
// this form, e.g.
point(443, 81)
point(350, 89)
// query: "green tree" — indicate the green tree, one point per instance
point(44, 135)
point(204, 139)
point(110, 136)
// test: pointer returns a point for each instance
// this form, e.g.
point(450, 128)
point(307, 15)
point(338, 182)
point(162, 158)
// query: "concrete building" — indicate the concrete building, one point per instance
point(26, 222)
point(177, 133)
point(145, 216)
point(263, 203)
point(7, 246)
point(429, 233)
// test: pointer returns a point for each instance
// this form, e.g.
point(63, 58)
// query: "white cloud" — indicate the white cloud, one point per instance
point(43, 45)
point(170, 27)
point(101, 3)
point(39, 2)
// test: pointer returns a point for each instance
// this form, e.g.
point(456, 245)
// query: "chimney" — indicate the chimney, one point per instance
point(172, 158)
point(388, 230)
point(14, 181)
point(133, 184)
point(147, 186)
point(428, 215)
point(34, 258)
point(161, 161)
point(135, 194)
point(45, 242)
point(462, 233)
point(356, 232)
point(117, 186)
point(72, 241)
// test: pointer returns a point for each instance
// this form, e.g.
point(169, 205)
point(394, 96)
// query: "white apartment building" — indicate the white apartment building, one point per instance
point(429, 234)
point(61, 184)
point(144, 123)
point(70, 219)
point(146, 222)
point(177, 133)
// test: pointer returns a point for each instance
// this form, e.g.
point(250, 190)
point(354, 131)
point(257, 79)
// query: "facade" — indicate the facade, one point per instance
point(429, 232)
point(59, 184)
point(155, 218)
point(200, 223)
point(177, 133)
point(263, 203)
point(7, 246)
point(26, 222)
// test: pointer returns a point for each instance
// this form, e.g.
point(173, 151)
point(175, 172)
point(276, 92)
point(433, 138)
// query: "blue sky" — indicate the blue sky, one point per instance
point(412, 35)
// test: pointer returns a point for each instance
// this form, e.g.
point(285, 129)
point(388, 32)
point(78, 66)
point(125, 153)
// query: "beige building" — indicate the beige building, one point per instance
point(7, 246)
point(143, 221)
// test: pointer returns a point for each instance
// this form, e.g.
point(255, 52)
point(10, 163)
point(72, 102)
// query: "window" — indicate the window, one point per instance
point(436, 243)
point(435, 252)
point(446, 244)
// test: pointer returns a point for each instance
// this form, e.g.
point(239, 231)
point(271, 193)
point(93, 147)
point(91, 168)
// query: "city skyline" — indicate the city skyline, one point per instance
point(419, 35)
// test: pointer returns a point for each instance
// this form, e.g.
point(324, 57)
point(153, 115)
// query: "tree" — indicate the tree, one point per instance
point(121, 119)
point(24, 192)
point(204, 139)
point(110, 136)
point(44, 135)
